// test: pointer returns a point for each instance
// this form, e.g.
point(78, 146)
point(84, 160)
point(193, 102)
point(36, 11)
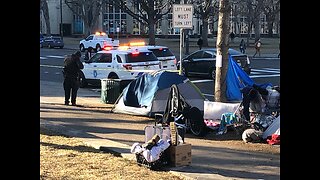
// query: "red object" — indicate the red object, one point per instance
point(274, 139)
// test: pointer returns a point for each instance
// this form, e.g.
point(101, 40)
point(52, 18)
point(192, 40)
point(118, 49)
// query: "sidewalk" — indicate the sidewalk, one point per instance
point(109, 132)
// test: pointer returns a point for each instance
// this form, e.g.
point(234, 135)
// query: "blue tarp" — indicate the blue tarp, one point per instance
point(140, 92)
point(238, 79)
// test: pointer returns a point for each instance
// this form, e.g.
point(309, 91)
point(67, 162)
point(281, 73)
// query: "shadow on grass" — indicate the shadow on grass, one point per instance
point(79, 148)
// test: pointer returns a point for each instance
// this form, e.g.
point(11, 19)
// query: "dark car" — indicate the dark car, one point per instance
point(41, 38)
point(203, 62)
point(52, 42)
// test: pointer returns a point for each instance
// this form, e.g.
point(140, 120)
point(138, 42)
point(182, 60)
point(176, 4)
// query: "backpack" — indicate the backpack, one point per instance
point(258, 44)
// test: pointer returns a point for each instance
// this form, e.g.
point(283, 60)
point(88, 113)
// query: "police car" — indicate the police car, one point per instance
point(97, 41)
point(167, 59)
point(124, 64)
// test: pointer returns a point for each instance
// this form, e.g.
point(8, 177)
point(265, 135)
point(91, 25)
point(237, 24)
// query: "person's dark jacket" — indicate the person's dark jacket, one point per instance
point(199, 42)
point(72, 67)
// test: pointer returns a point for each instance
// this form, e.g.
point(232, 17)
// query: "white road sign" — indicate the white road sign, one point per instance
point(182, 16)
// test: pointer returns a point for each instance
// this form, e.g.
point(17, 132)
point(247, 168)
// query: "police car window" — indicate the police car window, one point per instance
point(89, 38)
point(105, 58)
point(119, 59)
point(162, 52)
point(141, 57)
point(95, 58)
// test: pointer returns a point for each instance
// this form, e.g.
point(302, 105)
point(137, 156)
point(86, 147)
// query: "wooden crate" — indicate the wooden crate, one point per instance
point(180, 155)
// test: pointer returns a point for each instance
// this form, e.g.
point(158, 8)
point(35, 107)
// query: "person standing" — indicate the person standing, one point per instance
point(71, 74)
point(257, 46)
point(242, 46)
point(88, 53)
point(200, 43)
point(232, 36)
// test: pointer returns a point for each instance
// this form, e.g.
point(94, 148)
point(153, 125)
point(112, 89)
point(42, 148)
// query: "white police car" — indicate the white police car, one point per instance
point(167, 59)
point(124, 64)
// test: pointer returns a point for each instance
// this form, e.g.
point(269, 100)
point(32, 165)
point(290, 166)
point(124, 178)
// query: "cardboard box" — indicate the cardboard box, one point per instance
point(180, 155)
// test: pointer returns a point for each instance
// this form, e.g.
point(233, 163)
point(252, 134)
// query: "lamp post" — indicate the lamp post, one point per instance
point(61, 26)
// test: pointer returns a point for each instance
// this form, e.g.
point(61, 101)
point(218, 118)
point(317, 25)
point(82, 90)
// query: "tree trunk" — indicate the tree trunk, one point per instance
point(256, 29)
point(87, 30)
point(249, 20)
point(270, 29)
point(152, 36)
point(204, 33)
point(45, 11)
point(222, 59)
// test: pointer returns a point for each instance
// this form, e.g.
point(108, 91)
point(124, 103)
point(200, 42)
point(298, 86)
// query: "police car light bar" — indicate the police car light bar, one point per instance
point(137, 44)
point(100, 33)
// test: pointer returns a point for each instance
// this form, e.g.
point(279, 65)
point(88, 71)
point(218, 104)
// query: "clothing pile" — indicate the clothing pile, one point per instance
point(152, 153)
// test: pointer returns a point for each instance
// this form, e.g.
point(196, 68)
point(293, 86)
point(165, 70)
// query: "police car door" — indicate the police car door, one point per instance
point(89, 67)
point(88, 41)
point(103, 66)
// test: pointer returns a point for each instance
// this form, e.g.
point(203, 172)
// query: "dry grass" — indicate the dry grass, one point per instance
point(68, 158)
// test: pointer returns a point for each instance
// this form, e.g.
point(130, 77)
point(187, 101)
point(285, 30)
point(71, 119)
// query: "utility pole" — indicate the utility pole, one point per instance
point(222, 57)
point(61, 26)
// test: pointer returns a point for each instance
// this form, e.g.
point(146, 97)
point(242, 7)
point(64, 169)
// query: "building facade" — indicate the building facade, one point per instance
point(114, 21)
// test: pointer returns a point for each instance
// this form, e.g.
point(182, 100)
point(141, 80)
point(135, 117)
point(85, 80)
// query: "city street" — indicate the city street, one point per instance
point(96, 125)
point(264, 70)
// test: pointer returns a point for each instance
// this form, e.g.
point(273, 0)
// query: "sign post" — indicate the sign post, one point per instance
point(182, 18)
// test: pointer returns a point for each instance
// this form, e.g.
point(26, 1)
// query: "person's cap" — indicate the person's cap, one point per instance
point(78, 53)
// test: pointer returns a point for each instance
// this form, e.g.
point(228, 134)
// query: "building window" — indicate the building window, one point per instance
point(114, 19)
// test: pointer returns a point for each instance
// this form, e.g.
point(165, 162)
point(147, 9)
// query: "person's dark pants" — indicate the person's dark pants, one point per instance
point(70, 86)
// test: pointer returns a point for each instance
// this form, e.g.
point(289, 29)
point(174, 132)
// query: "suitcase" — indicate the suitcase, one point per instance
point(164, 133)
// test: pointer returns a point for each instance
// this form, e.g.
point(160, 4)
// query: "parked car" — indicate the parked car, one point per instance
point(41, 38)
point(203, 62)
point(52, 42)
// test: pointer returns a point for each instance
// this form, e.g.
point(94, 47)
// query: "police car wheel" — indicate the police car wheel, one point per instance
point(113, 76)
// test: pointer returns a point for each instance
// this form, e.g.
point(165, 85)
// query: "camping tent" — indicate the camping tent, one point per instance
point(148, 94)
point(237, 79)
point(273, 128)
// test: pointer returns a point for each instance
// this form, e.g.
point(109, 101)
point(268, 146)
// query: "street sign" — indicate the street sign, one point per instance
point(182, 16)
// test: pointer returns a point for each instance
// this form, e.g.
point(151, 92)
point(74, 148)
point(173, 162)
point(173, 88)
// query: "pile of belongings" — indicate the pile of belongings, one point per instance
point(152, 153)
point(260, 105)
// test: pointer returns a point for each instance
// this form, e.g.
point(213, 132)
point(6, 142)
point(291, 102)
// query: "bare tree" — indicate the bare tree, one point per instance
point(258, 9)
point(205, 9)
point(149, 12)
point(222, 59)
point(45, 11)
point(88, 10)
point(238, 11)
point(271, 10)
